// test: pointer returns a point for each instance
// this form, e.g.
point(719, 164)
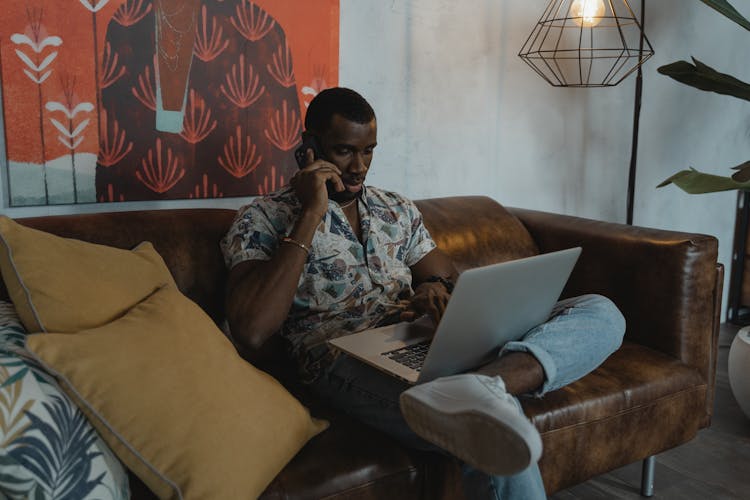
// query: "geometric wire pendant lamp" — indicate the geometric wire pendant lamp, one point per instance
point(586, 43)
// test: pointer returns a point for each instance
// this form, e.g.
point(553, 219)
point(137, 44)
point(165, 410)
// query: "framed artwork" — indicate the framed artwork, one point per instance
point(126, 100)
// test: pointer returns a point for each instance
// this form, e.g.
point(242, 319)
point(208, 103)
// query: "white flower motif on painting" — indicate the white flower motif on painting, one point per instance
point(21, 39)
point(71, 137)
point(37, 69)
point(36, 38)
point(70, 113)
point(94, 6)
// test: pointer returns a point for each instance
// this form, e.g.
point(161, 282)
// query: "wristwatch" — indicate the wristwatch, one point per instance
point(446, 282)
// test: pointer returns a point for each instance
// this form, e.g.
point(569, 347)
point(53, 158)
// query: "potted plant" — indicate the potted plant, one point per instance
point(703, 77)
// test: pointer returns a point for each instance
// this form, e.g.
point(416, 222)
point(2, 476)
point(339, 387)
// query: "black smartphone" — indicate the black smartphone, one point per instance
point(309, 141)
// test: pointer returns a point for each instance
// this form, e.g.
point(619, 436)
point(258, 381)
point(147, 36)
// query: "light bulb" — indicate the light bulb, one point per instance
point(587, 13)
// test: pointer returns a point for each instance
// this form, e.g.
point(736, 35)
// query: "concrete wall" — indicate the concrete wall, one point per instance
point(460, 113)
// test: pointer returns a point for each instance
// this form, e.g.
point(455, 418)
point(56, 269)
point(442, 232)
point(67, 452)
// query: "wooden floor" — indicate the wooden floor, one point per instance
point(715, 465)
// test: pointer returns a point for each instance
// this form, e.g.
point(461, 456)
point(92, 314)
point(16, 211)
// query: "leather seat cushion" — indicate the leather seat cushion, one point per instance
point(632, 377)
point(638, 403)
point(349, 461)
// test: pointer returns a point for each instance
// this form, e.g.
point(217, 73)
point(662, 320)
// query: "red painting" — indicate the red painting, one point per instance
point(125, 100)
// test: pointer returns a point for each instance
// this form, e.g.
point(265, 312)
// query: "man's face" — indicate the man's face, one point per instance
point(349, 146)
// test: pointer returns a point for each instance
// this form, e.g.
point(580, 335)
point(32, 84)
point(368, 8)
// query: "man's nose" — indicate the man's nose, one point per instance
point(359, 163)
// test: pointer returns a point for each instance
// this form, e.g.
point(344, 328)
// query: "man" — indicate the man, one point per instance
point(328, 256)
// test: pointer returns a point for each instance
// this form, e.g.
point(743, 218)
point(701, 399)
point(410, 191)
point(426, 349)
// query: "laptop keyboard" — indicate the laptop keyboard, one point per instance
point(411, 356)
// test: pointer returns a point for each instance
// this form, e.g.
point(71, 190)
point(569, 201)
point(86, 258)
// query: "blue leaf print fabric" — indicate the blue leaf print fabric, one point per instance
point(57, 453)
point(48, 450)
point(347, 286)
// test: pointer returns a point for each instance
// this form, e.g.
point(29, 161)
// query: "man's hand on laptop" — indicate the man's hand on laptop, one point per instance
point(429, 298)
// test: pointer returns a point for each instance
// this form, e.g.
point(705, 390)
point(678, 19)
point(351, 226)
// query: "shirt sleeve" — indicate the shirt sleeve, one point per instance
point(252, 236)
point(420, 242)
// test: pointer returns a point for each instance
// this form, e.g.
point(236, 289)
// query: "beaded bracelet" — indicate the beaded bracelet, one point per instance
point(287, 239)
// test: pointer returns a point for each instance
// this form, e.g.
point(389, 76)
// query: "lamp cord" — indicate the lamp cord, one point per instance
point(636, 119)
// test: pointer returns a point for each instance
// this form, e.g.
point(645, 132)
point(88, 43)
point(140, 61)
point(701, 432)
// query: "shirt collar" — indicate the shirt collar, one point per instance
point(364, 198)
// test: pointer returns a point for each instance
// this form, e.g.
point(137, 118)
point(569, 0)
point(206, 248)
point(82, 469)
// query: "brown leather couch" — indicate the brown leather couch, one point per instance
point(653, 394)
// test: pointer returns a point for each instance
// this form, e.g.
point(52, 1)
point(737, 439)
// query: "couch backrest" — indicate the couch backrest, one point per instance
point(472, 230)
point(187, 239)
point(476, 230)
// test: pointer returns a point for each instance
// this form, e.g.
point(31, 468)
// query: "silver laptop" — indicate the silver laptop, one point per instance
point(490, 306)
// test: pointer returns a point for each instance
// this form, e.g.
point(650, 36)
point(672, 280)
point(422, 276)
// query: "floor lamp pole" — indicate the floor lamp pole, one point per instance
point(636, 119)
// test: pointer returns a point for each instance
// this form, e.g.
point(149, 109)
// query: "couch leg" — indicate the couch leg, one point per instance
point(647, 476)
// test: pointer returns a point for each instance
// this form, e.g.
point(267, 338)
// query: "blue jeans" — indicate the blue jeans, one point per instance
point(579, 335)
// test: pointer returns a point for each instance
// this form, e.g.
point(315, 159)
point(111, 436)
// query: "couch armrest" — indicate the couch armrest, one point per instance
point(667, 284)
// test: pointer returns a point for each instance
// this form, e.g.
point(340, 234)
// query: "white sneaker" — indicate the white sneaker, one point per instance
point(472, 417)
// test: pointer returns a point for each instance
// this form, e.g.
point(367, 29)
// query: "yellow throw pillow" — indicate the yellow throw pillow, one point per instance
point(169, 394)
point(65, 285)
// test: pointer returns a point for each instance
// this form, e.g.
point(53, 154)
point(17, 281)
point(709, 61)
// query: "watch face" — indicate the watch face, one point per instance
point(446, 282)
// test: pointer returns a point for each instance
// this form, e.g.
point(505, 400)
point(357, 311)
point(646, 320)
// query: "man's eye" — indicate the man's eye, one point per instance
point(342, 151)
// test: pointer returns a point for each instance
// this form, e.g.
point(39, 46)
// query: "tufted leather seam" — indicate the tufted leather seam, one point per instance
point(620, 413)
point(380, 479)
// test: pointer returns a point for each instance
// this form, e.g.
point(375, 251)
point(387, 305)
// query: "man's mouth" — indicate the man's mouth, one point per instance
point(353, 185)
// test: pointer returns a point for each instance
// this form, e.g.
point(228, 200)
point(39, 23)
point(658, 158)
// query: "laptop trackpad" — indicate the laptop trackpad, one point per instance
point(409, 332)
point(371, 343)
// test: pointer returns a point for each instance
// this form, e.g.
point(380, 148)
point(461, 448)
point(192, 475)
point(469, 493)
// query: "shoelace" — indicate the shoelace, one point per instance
point(496, 386)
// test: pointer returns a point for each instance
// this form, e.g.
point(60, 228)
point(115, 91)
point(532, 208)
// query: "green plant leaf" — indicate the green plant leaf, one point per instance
point(695, 182)
point(727, 10)
point(704, 77)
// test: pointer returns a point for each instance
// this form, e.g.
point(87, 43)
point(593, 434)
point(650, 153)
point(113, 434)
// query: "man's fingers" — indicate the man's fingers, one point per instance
point(330, 173)
point(309, 157)
point(428, 300)
point(320, 165)
point(408, 316)
point(435, 312)
point(338, 184)
point(432, 304)
point(323, 171)
point(441, 302)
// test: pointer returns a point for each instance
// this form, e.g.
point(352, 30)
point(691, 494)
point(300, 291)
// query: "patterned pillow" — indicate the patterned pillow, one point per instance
point(47, 447)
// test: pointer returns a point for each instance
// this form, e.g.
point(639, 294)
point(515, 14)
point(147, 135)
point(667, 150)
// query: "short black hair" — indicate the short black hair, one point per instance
point(337, 101)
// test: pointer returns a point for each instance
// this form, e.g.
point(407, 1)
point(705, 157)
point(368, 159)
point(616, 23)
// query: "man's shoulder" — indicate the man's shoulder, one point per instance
point(387, 198)
point(281, 200)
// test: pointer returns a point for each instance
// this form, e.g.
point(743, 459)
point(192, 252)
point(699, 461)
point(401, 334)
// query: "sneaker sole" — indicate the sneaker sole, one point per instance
point(479, 440)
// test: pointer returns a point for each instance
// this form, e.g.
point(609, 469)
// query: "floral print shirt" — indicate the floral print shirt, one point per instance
point(346, 286)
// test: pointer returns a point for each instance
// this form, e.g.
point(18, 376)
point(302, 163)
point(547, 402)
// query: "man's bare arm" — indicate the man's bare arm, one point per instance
point(430, 297)
point(260, 292)
point(435, 263)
